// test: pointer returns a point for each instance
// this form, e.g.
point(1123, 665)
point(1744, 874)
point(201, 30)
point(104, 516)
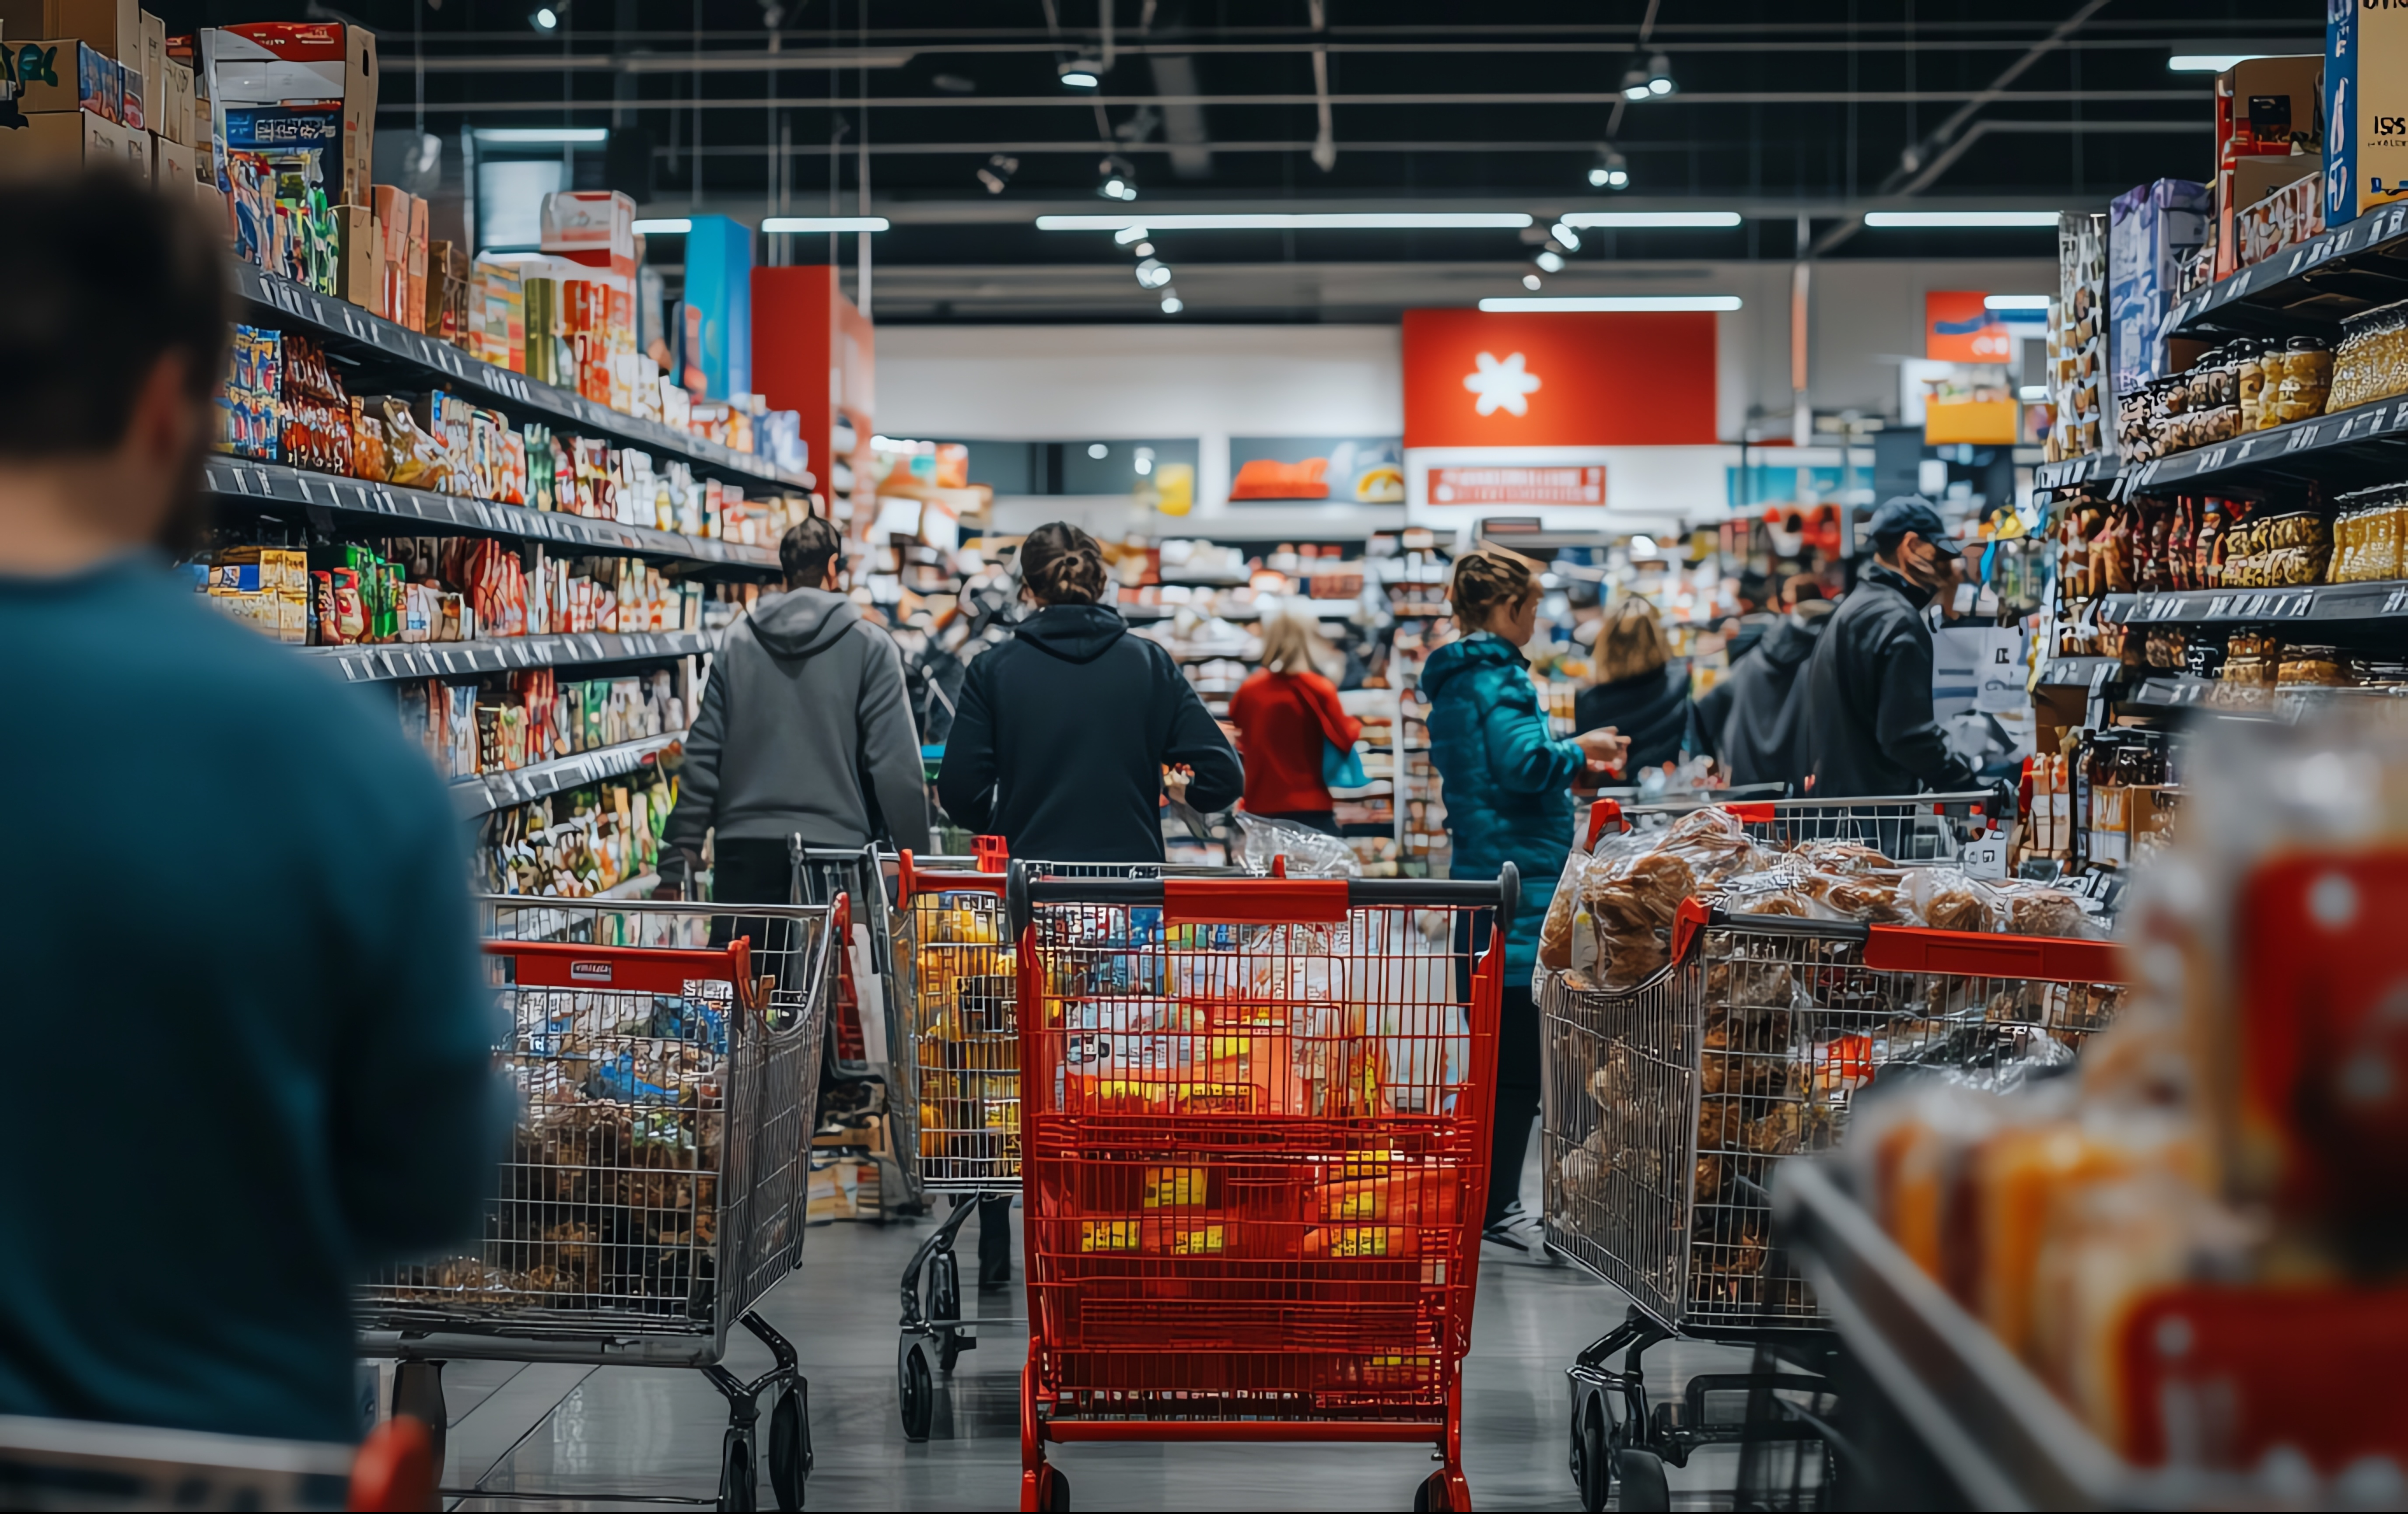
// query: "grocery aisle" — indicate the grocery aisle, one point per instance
point(656, 1433)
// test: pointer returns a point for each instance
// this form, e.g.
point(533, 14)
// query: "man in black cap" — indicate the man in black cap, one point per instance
point(1868, 683)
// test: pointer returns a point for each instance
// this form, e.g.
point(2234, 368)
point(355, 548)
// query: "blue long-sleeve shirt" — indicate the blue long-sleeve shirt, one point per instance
point(1508, 784)
point(249, 1042)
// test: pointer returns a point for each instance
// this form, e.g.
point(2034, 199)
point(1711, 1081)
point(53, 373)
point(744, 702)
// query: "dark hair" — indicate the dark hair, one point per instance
point(105, 276)
point(1885, 543)
point(1062, 565)
point(805, 550)
point(1484, 580)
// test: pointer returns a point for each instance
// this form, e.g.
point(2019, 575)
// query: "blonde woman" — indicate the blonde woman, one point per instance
point(1285, 716)
point(1637, 692)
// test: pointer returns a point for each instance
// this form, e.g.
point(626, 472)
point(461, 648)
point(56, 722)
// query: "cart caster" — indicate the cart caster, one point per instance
point(915, 1391)
point(1052, 1489)
point(418, 1391)
point(790, 1446)
point(1592, 1462)
point(1642, 1476)
point(945, 1305)
point(735, 1474)
point(1432, 1496)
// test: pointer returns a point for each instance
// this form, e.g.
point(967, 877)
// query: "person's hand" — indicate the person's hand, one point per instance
point(1175, 781)
point(1604, 748)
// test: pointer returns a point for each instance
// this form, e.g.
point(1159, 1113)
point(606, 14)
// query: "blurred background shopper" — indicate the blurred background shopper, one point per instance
point(1288, 716)
point(298, 1077)
point(1507, 799)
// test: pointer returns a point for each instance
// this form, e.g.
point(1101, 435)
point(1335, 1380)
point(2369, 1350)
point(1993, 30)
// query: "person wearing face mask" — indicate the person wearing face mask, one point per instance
point(1868, 683)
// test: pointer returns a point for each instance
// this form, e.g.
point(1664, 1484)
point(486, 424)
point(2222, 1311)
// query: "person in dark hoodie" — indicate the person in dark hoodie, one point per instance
point(805, 730)
point(1754, 719)
point(1064, 731)
point(1637, 692)
point(1868, 683)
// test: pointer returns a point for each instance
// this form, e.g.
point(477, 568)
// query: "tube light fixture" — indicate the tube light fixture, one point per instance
point(1129, 233)
point(1634, 83)
point(1612, 302)
point(1529, 280)
point(1172, 302)
point(2033, 394)
point(1959, 219)
point(2014, 302)
point(1611, 170)
point(543, 133)
point(1625, 220)
point(1550, 262)
point(1659, 76)
point(1338, 221)
point(1565, 236)
point(667, 227)
point(1081, 74)
point(825, 222)
point(2210, 63)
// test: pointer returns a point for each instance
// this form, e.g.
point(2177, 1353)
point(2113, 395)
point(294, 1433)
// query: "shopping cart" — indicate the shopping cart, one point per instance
point(85, 1464)
point(867, 1017)
point(1665, 1105)
point(1255, 1127)
point(669, 1055)
point(1915, 829)
point(962, 1061)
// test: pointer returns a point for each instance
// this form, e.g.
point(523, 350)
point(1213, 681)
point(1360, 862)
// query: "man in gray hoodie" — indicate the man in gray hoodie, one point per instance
point(805, 730)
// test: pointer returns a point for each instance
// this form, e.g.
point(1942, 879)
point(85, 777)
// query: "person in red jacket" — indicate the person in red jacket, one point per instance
point(1284, 715)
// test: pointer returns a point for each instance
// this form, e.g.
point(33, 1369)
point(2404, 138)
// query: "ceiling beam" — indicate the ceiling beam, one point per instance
point(2191, 97)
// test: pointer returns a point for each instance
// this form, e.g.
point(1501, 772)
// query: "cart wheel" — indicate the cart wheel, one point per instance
point(789, 1449)
point(948, 1350)
point(736, 1477)
point(915, 1390)
point(1430, 1496)
point(1052, 1488)
point(945, 1304)
point(1594, 1462)
point(1642, 1476)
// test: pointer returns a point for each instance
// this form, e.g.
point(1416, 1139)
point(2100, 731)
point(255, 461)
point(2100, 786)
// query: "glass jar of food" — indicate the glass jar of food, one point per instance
point(2307, 378)
point(2248, 378)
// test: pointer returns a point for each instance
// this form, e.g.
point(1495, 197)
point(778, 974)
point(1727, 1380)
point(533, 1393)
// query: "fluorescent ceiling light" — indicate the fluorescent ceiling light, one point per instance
point(670, 226)
point(1129, 233)
point(543, 133)
point(1652, 217)
point(1340, 221)
point(1614, 302)
point(2033, 394)
point(1962, 219)
point(2210, 63)
point(825, 222)
point(2014, 302)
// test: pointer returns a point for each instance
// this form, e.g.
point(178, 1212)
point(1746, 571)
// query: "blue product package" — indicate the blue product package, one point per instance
point(2341, 111)
point(617, 1080)
point(2151, 231)
point(689, 1019)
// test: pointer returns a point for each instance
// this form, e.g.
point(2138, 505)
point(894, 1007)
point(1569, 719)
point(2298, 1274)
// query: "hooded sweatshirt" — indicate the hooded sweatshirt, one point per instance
point(1063, 733)
point(805, 730)
point(1759, 711)
point(1652, 710)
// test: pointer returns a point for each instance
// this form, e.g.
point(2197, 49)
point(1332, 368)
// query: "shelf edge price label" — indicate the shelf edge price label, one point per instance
point(2301, 439)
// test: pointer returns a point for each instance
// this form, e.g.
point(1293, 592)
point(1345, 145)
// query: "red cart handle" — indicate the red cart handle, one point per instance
point(1906, 949)
point(564, 964)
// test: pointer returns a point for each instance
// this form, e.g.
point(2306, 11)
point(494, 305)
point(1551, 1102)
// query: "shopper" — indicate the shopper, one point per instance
point(805, 731)
point(1287, 715)
point(1869, 682)
point(1507, 799)
point(253, 1039)
point(1638, 692)
point(1754, 720)
point(1066, 731)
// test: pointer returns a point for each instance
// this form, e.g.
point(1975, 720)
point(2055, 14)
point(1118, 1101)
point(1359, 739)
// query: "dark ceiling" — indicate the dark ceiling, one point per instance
point(1812, 107)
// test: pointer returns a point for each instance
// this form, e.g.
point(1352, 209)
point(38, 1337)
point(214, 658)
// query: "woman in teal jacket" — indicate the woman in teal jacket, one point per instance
point(1507, 799)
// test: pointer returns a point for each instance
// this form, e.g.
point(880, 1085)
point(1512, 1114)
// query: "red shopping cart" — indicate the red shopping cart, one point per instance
point(1254, 1125)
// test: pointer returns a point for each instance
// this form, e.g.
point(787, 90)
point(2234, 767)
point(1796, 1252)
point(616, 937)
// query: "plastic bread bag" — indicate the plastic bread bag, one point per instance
point(1872, 899)
point(1843, 856)
point(2035, 909)
point(1555, 930)
point(1776, 890)
point(1715, 845)
point(1310, 853)
point(1945, 898)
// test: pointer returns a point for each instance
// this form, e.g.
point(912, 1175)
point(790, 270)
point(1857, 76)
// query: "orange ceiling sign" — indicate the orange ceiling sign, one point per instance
point(1958, 328)
point(1558, 379)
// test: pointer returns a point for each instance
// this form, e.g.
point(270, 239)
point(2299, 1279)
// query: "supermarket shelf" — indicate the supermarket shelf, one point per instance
point(1994, 1429)
point(273, 484)
point(639, 887)
point(282, 303)
point(2364, 445)
point(2381, 600)
point(2308, 287)
point(490, 791)
point(2079, 673)
point(2073, 472)
point(455, 659)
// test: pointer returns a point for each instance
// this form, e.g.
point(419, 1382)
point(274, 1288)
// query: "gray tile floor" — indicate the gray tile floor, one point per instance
point(573, 1438)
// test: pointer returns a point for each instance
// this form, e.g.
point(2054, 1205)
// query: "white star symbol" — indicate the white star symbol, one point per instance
point(1501, 385)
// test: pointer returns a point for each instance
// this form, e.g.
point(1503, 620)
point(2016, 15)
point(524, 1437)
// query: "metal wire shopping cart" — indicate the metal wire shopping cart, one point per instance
point(961, 1051)
point(1666, 1103)
point(668, 1054)
point(1255, 1127)
point(1919, 827)
point(869, 1030)
point(88, 1465)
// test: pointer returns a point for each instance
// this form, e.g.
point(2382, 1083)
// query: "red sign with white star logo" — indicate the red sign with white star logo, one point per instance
point(1559, 379)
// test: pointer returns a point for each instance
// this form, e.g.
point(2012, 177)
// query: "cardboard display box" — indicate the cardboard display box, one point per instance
point(299, 87)
point(112, 26)
point(2265, 108)
point(2366, 110)
point(77, 136)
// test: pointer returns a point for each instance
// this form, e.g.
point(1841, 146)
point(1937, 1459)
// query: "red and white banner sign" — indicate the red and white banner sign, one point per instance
point(1572, 379)
point(1517, 486)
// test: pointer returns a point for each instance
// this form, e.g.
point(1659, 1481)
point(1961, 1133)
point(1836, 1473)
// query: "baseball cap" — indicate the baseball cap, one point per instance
point(1910, 513)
